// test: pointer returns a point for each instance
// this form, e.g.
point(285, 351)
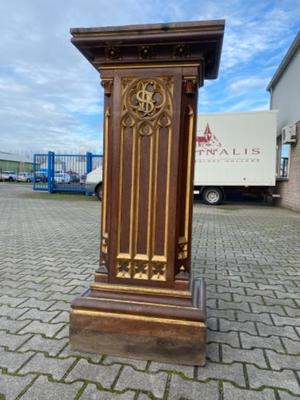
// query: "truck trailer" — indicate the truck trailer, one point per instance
point(235, 152)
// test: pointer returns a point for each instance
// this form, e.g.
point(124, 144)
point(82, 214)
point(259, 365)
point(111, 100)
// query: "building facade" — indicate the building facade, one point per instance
point(15, 162)
point(284, 89)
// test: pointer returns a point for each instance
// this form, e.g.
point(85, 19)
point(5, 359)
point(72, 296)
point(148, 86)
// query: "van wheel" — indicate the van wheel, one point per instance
point(99, 192)
point(212, 196)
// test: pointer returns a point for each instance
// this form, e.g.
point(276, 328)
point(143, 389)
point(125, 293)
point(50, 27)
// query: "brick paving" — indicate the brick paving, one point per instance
point(249, 255)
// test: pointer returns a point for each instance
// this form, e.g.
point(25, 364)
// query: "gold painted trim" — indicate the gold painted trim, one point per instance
point(136, 289)
point(168, 111)
point(132, 197)
point(153, 200)
point(138, 318)
point(159, 259)
point(141, 257)
point(142, 66)
point(119, 255)
point(123, 256)
point(182, 240)
point(190, 77)
point(168, 184)
point(150, 197)
point(143, 302)
point(104, 181)
point(189, 170)
point(100, 274)
point(134, 219)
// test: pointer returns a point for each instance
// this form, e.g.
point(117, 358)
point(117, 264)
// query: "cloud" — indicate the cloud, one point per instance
point(46, 111)
point(244, 85)
point(51, 97)
point(258, 32)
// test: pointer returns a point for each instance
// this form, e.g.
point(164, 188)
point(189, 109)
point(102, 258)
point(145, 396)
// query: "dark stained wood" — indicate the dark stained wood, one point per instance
point(142, 303)
point(169, 42)
point(154, 341)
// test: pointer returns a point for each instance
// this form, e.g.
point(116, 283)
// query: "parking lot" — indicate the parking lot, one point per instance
point(248, 254)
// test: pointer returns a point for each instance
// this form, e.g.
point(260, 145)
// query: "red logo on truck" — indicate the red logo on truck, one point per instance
point(209, 145)
point(207, 139)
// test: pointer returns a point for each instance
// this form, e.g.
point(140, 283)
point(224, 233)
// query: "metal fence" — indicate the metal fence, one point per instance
point(63, 172)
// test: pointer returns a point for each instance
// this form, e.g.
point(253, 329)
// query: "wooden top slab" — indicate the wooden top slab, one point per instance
point(174, 43)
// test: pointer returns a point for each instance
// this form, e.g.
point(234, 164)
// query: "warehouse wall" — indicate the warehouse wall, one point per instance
point(15, 166)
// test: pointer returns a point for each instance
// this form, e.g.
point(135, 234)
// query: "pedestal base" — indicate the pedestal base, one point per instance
point(154, 324)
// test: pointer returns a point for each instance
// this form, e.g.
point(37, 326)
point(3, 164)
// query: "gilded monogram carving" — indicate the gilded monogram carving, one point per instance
point(147, 98)
point(146, 102)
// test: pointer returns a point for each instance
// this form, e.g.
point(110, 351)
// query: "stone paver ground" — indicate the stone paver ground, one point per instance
point(249, 255)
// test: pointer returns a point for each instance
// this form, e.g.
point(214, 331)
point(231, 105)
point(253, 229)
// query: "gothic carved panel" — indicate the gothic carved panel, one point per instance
point(144, 178)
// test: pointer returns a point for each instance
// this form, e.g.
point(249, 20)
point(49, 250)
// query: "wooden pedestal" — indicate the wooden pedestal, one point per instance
point(162, 325)
point(142, 303)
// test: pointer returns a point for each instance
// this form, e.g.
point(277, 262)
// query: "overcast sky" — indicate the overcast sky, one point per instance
point(50, 96)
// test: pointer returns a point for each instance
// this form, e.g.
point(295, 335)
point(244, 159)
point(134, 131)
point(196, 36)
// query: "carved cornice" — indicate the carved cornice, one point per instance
point(194, 42)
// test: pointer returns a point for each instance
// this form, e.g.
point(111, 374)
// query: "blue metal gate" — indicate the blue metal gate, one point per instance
point(63, 172)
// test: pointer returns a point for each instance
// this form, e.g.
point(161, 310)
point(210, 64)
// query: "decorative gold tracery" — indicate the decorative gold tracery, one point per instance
point(146, 98)
point(123, 269)
point(141, 270)
point(158, 272)
point(146, 118)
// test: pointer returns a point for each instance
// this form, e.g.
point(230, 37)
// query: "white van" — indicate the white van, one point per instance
point(93, 183)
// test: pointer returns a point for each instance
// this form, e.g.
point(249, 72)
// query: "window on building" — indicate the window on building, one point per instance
point(285, 151)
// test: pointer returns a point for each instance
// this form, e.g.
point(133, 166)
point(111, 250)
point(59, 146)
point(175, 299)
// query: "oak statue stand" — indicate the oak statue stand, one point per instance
point(142, 303)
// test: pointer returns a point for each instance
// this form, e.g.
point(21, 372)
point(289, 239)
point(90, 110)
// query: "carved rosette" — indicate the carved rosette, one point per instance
point(181, 50)
point(145, 52)
point(112, 52)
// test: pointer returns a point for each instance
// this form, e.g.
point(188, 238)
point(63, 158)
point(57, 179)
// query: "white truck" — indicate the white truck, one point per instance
point(235, 152)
